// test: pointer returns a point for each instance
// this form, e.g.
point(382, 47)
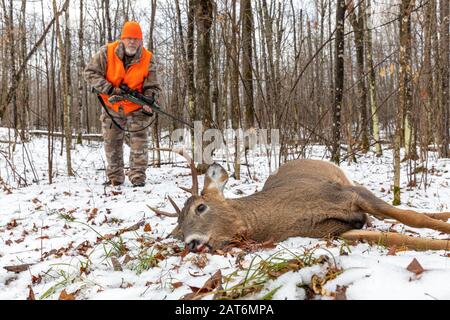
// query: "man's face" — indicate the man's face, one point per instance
point(131, 45)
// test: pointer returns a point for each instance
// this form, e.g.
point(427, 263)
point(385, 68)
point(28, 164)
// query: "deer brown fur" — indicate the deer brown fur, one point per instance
point(307, 198)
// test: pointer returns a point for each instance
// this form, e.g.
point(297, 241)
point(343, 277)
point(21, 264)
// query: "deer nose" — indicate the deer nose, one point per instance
point(193, 244)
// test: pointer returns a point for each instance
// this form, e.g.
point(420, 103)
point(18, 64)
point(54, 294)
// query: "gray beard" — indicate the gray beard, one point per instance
point(130, 53)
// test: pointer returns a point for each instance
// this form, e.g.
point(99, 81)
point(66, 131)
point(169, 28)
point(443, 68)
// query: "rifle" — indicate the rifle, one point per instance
point(141, 100)
point(138, 98)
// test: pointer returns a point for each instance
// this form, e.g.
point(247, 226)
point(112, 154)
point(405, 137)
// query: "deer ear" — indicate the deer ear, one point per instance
point(215, 180)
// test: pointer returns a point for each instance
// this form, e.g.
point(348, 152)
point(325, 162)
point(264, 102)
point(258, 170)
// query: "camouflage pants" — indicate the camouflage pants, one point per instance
point(114, 138)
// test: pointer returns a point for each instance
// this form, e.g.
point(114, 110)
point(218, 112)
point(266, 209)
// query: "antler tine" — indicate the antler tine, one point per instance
point(163, 213)
point(177, 209)
point(182, 152)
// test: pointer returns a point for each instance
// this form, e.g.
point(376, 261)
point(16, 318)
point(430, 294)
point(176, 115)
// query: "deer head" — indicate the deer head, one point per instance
point(207, 220)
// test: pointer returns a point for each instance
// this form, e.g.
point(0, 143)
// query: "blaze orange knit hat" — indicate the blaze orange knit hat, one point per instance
point(131, 29)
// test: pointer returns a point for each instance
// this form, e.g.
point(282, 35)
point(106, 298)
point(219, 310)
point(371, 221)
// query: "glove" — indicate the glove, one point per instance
point(115, 98)
point(117, 91)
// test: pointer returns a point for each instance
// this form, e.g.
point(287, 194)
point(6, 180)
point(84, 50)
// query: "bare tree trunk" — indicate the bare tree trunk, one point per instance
point(339, 81)
point(358, 26)
point(234, 82)
point(426, 90)
point(150, 45)
point(81, 83)
point(445, 76)
point(25, 92)
point(12, 58)
point(4, 60)
point(204, 17)
point(410, 152)
point(372, 81)
point(51, 101)
point(404, 89)
point(204, 22)
point(192, 91)
point(247, 58)
point(66, 96)
point(108, 21)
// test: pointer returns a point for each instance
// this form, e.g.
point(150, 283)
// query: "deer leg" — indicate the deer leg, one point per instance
point(444, 216)
point(391, 239)
point(373, 205)
point(335, 226)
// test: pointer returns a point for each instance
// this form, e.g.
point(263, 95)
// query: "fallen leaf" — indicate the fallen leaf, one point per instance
point(147, 228)
point(31, 294)
point(18, 268)
point(176, 285)
point(66, 296)
point(116, 264)
point(134, 227)
point(9, 280)
point(127, 259)
point(415, 267)
point(200, 260)
point(341, 293)
point(215, 282)
point(392, 251)
point(12, 224)
point(93, 214)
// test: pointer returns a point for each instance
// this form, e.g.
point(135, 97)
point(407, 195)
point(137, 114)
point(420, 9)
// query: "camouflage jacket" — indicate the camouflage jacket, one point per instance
point(95, 71)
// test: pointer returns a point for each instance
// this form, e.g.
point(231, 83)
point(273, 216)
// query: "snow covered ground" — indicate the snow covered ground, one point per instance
point(85, 241)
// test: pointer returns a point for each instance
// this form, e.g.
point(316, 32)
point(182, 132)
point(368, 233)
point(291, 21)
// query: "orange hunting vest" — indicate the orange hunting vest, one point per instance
point(133, 77)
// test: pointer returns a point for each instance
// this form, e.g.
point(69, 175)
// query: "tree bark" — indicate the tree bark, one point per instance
point(404, 91)
point(372, 81)
point(357, 22)
point(247, 59)
point(339, 80)
point(66, 96)
point(445, 76)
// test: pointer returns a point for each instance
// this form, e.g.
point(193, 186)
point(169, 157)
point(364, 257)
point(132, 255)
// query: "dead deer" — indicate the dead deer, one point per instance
point(306, 198)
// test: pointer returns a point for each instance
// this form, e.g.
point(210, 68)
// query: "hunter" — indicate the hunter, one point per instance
point(124, 61)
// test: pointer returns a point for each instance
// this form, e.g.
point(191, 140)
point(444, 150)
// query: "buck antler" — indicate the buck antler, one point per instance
point(163, 213)
point(182, 152)
point(167, 214)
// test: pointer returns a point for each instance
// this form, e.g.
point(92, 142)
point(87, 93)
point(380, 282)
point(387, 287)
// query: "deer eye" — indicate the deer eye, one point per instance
point(200, 208)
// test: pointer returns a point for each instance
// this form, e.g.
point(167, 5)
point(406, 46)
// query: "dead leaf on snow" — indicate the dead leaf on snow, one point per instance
point(66, 296)
point(392, 251)
point(134, 227)
point(12, 224)
point(36, 279)
point(341, 293)
point(116, 264)
point(18, 268)
point(31, 294)
point(215, 282)
point(200, 260)
point(176, 285)
point(415, 267)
